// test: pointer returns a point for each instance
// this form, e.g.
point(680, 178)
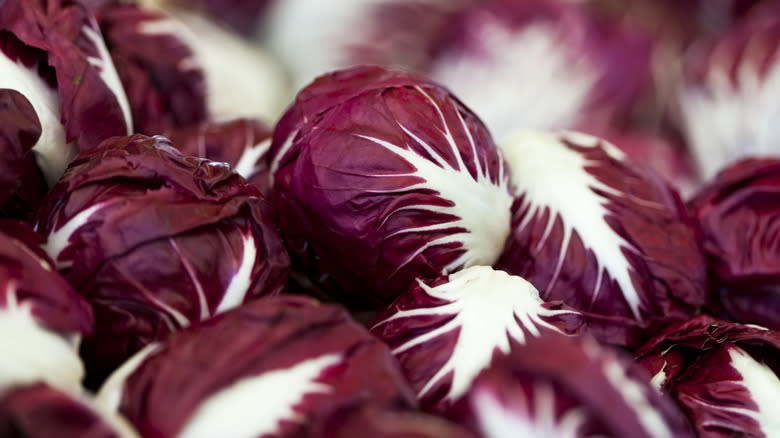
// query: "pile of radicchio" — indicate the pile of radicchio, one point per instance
point(395, 218)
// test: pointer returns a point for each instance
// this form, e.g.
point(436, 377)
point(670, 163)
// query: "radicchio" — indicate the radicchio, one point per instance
point(382, 176)
point(541, 64)
point(568, 387)
point(19, 131)
point(269, 368)
point(156, 240)
point(736, 215)
point(729, 99)
point(164, 86)
point(53, 53)
point(227, 73)
point(605, 236)
point(42, 319)
point(444, 334)
point(40, 411)
point(725, 375)
point(242, 143)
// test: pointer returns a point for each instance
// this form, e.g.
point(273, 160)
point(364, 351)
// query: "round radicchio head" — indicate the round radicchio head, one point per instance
point(382, 176)
point(541, 64)
point(729, 99)
point(242, 143)
point(269, 368)
point(206, 72)
point(156, 240)
point(53, 54)
point(736, 215)
point(605, 236)
point(164, 86)
point(42, 319)
point(40, 411)
point(445, 333)
point(568, 387)
point(725, 375)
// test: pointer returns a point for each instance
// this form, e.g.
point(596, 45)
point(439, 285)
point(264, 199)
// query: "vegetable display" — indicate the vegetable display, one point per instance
point(389, 218)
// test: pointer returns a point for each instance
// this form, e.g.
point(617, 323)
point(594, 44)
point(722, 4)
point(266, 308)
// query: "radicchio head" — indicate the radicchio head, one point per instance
point(725, 375)
point(53, 53)
point(156, 240)
point(444, 334)
point(605, 236)
point(181, 66)
point(729, 99)
point(382, 176)
point(42, 319)
point(541, 64)
point(736, 215)
point(568, 387)
point(269, 368)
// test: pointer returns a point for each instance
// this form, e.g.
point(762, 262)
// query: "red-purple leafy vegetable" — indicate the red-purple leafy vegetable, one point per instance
point(268, 368)
point(236, 77)
point(42, 319)
point(378, 421)
point(382, 176)
point(560, 386)
point(729, 99)
point(605, 236)
point(541, 64)
point(40, 411)
point(19, 131)
point(242, 143)
point(723, 374)
point(737, 221)
point(53, 54)
point(165, 87)
point(156, 240)
point(444, 334)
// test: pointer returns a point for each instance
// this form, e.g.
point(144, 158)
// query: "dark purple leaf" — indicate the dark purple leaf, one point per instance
point(737, 216)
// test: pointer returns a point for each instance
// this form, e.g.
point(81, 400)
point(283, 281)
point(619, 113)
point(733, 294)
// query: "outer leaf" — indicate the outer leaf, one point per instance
point(41, 317)
point(380, 177)
point(156, 241)
point(19, 131)
point(242, 143)
point(40, 411)
point(576, 70)
point(54, 54)
point(281, 363)
point(165, 85)
point(724, 374)
point(605, 236)
point(737, 221)
point(729, 99)
point(445, 334)
point(568, 387)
